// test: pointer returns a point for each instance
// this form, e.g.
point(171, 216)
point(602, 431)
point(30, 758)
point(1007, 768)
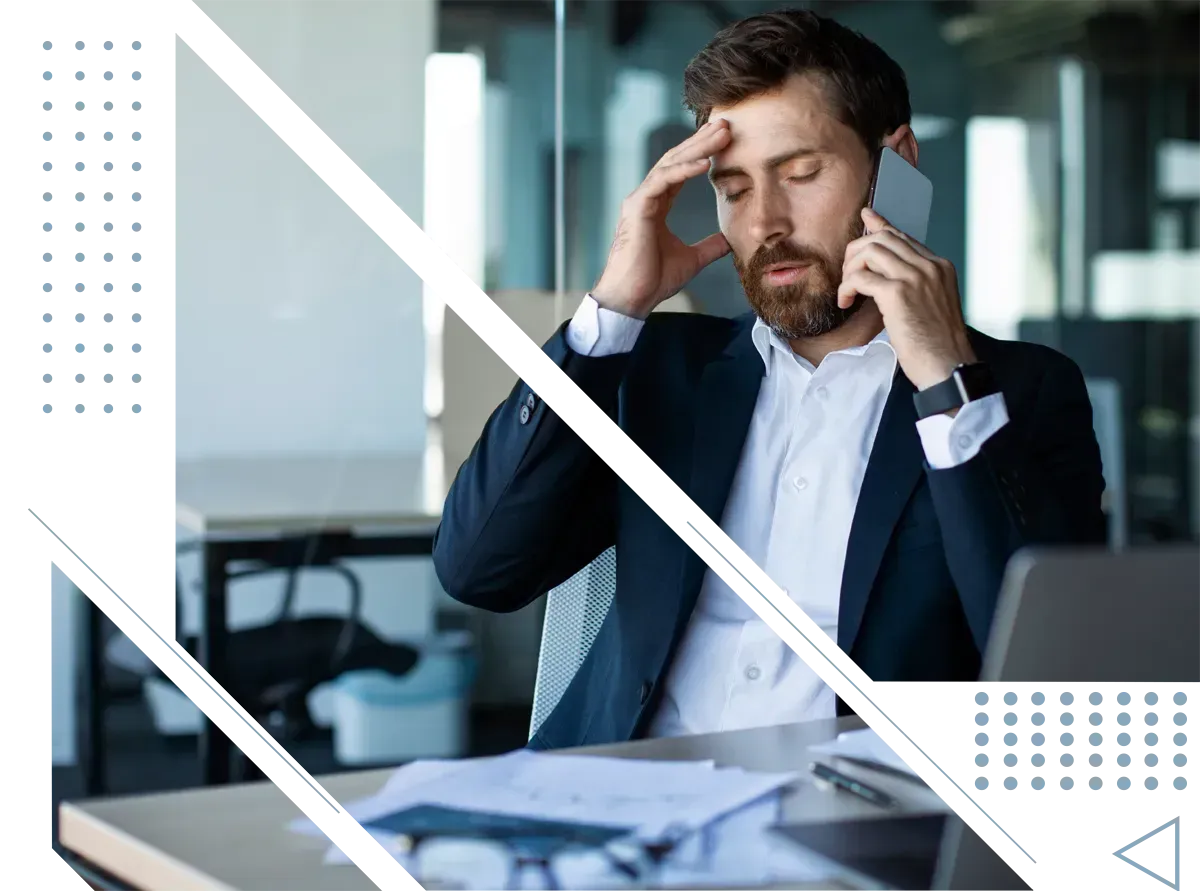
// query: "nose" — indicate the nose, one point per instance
point(769, 217)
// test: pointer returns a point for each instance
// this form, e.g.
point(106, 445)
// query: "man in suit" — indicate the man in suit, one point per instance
point(877, 458)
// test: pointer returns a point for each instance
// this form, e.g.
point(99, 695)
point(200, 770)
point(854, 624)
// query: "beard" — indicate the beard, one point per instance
point(808, 308)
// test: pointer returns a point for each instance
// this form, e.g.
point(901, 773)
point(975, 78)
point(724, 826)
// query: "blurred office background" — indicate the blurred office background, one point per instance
point(1062, 138)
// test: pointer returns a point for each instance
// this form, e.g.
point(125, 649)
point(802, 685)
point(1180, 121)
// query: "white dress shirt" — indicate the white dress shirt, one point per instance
point(790, 508)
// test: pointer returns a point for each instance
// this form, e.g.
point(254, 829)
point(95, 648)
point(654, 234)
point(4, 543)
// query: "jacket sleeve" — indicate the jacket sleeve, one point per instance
point(1039, 482)
point(532, 504)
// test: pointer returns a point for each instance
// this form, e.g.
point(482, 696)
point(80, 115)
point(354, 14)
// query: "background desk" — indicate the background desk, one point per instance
point(280, 510)
point(235, 837)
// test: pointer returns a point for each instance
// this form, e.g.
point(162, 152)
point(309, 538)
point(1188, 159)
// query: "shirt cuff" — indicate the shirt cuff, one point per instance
point(950, 441)
point(596, 331)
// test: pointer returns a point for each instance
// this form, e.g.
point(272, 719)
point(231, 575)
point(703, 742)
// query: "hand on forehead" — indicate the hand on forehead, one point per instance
point(796, 118)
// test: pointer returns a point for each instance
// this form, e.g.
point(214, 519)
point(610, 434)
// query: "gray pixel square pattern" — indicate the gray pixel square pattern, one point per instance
point(95, 76)
point(1008, 737)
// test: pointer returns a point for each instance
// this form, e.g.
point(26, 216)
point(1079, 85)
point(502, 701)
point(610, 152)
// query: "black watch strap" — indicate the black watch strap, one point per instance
point(966, 383)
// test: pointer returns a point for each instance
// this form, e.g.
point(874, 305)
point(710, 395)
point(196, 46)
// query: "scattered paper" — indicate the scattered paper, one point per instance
point(646, 796)
point(722, 813)
point(737, 851)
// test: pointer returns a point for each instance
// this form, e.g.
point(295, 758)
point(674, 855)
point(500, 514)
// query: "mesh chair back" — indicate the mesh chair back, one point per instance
point(574, 612)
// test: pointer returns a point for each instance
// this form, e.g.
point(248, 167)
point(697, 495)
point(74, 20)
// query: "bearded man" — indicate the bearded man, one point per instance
point(879, 459)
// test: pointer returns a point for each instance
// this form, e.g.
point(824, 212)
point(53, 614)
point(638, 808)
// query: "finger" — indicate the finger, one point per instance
point(867, 283)
point(903, 246)
point(662, 180)
point(857, 245)
point(708, 140)
point(918, 265)
point(874, 220)
point(710, 144)
point(709, 250)
point(873, 227)
point(877, 223)
point(896, 241)
point(882, 259)
point(884, 237)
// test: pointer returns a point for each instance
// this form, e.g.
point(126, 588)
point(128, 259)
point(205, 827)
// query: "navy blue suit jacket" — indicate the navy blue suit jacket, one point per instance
point(533, 504)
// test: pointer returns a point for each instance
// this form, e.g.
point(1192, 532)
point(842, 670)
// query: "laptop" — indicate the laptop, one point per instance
point(913, 853)
point(1070, 615)
point(1088, 615)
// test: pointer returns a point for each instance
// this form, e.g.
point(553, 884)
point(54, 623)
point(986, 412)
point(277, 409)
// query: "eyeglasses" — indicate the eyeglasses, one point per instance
point(496, 853)
point(446, 862)
point(523, 862)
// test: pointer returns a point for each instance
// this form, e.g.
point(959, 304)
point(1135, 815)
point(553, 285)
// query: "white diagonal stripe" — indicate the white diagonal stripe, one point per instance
point(213, 698)
point(534, 367)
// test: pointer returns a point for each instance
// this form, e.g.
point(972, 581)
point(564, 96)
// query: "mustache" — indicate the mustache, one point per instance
point(781, 252)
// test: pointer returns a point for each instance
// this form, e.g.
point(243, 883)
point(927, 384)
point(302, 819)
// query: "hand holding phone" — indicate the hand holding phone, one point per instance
point(915, 290)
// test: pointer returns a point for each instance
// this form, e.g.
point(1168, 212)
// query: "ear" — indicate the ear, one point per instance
point(903, 142)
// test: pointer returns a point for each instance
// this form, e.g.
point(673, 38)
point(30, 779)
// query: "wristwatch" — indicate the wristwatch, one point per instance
point(966, 383)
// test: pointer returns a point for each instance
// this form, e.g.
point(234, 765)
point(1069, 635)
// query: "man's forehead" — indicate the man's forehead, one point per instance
point(797, 116)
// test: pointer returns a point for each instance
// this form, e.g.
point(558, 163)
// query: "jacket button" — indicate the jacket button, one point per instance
point(525, 414)
point(644, 694)
point(531, 401)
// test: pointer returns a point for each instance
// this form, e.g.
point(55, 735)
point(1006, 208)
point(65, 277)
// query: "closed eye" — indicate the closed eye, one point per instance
point(732, 197)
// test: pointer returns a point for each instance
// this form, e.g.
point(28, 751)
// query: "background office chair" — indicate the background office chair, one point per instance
point(271, 669)
point(575, 610)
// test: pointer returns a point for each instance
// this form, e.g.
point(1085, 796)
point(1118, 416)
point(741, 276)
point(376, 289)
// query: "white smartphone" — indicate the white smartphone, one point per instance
point(901, 194)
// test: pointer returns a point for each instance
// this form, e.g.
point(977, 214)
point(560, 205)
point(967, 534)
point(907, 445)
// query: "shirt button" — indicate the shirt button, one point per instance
point(964, 441)
point(800, 483)
point(524, 414)
point(822, 393)
point(753, 673)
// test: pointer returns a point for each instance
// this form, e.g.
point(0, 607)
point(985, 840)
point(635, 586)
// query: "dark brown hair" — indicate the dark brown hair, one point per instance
point(757, 55)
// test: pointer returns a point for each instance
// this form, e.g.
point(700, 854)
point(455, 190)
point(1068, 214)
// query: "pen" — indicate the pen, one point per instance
point(882, 768)
point(851, 785)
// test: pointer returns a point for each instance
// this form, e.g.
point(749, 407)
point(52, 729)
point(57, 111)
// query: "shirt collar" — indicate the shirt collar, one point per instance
point(769, 345)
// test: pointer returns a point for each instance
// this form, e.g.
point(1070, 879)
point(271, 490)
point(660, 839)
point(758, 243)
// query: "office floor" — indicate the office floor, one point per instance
point(140, 760)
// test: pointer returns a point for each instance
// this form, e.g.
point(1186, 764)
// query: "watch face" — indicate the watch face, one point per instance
point(976, 380)
point(965, 384)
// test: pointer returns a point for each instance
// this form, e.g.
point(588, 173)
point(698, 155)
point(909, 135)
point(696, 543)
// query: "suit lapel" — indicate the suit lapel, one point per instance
point(725, 398)
point(893, 471)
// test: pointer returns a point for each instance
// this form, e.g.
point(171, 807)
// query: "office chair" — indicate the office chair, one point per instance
point(575, 610)
point(271, 669)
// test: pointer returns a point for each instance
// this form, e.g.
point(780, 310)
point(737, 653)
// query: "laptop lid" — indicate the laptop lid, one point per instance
point(1089, 615)
point(965, 862)
point(913, 851)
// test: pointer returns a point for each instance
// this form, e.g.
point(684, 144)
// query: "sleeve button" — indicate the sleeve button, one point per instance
point(525, 413)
